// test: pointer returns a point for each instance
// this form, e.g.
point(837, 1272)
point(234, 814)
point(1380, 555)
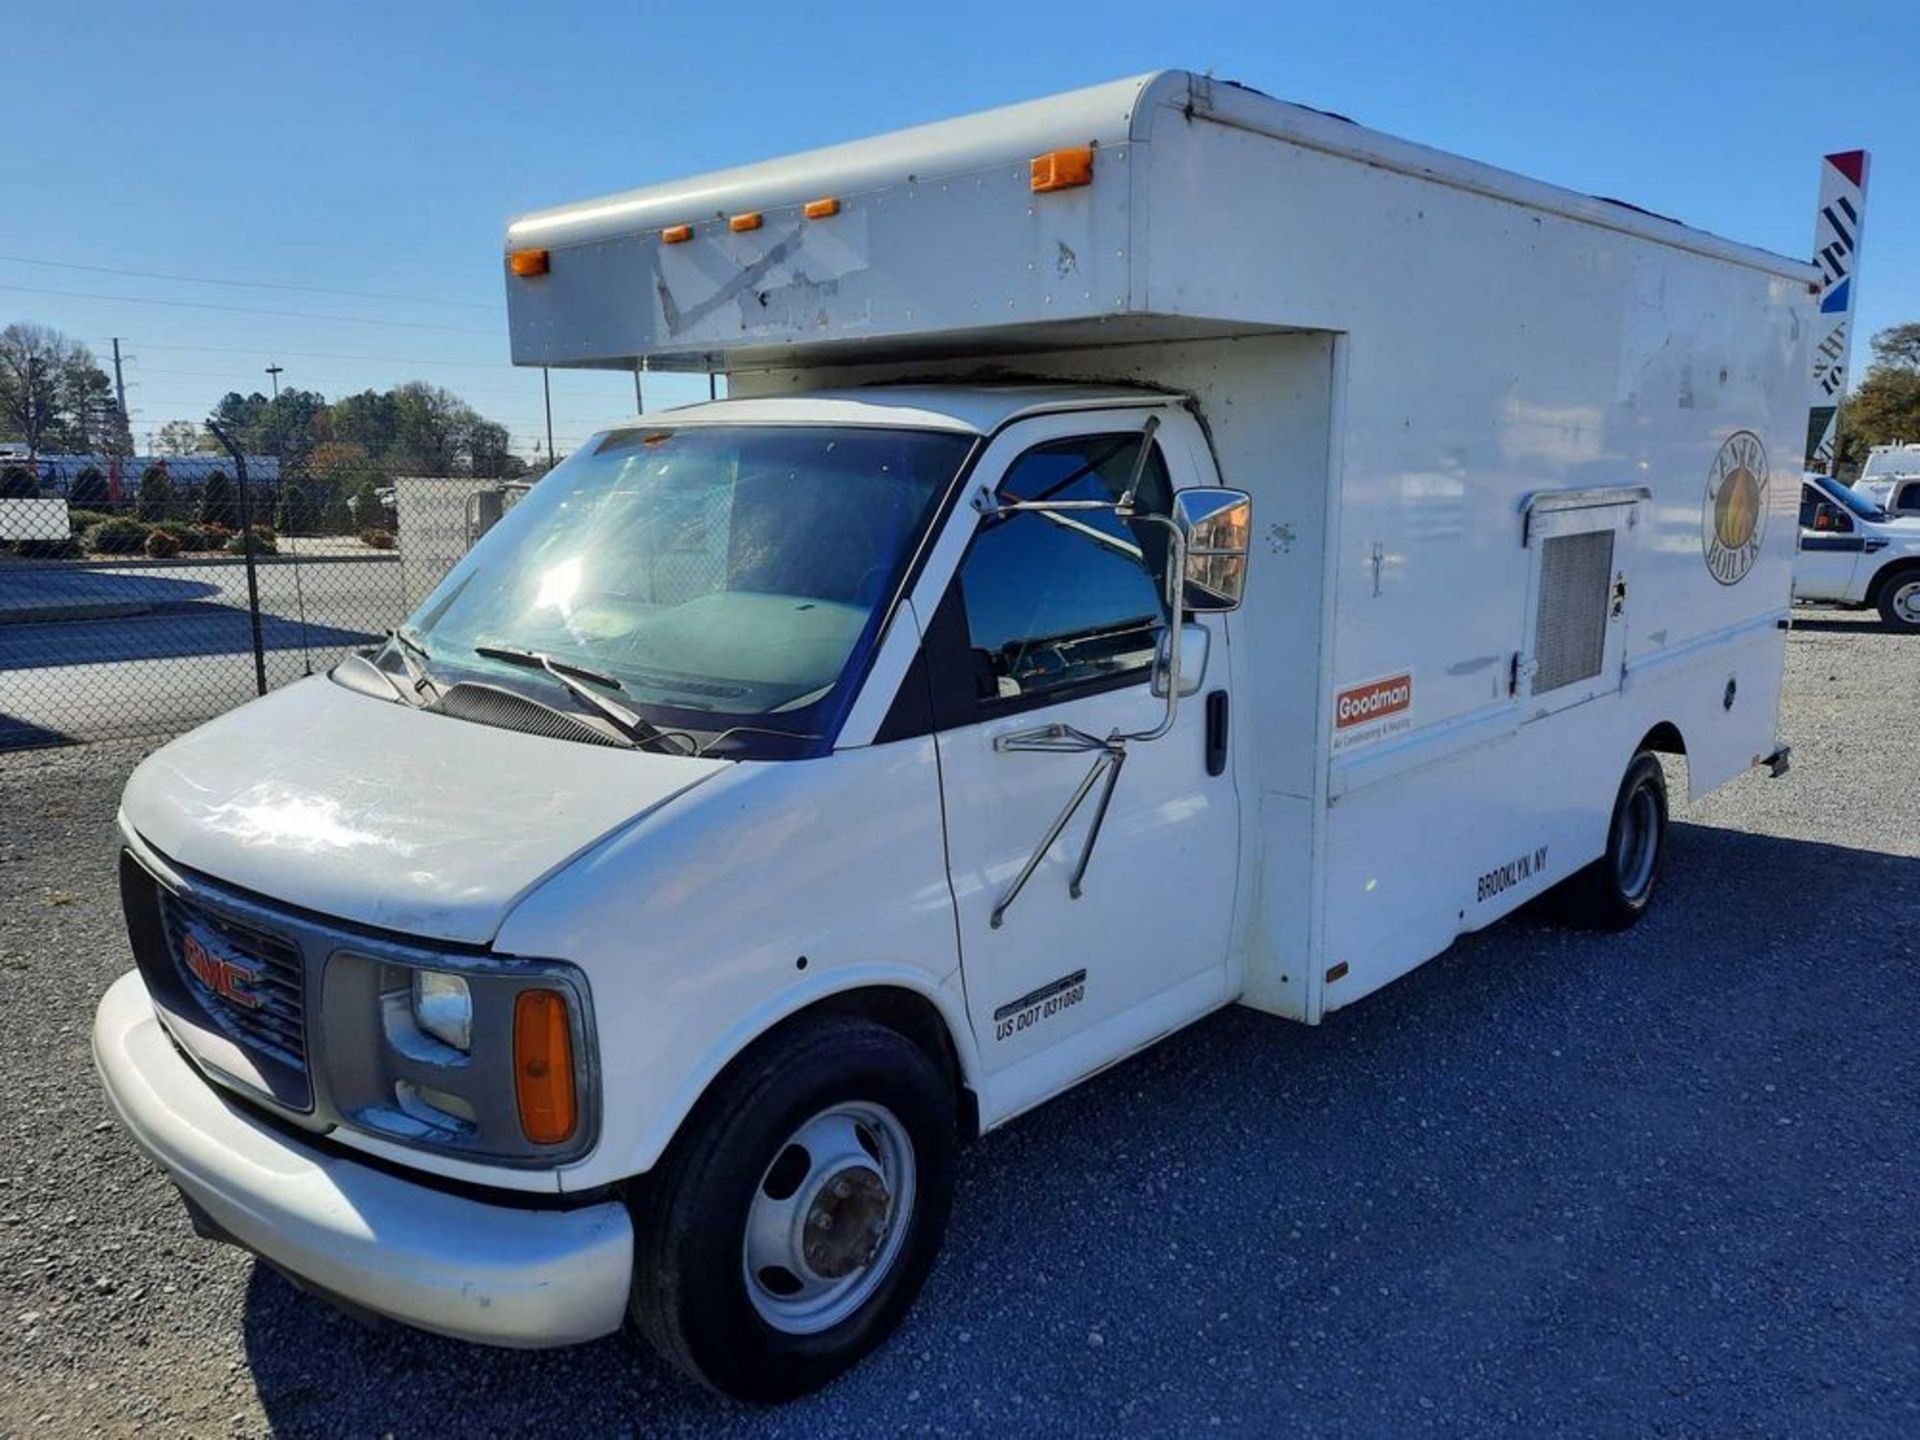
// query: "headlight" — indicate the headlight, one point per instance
point(487, 1057)
point(443, 1008)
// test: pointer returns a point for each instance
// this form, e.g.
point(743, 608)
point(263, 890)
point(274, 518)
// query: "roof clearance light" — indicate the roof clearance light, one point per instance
point(676, 235)
point(1063, 169)
point(822, 209)
point(528, 262)
point(749, 220)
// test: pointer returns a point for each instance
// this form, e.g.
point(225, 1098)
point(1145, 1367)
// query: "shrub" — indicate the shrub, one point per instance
point(65, 548)
point(191, 537)
point(336, 517)
point(263, 542)
point(376, 538)
point(368, 512)
point(17, 483)
point(89, 490)
point(218, 505)
point(119, 536)
point(156, 494)
point(294, 513)
point(162, 545)
point(79, 520)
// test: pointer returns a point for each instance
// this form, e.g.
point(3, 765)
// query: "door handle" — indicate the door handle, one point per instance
point(1217, 732)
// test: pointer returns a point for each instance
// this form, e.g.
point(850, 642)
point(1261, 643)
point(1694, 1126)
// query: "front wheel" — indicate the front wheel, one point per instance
point(796, 1218)
point(1615, 890)
point(1900, 600)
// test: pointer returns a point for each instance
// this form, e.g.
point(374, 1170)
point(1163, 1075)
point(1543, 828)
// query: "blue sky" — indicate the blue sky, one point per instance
point(382, 148)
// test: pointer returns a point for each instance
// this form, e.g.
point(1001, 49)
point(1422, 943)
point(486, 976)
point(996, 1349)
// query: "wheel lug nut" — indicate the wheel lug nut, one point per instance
point(841, 1189)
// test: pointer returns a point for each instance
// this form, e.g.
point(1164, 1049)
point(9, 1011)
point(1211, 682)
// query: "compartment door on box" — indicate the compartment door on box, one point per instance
point(1577, 592)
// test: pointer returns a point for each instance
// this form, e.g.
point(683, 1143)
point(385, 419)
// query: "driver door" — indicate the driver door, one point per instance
point(1831, 547)
point(1053, 619)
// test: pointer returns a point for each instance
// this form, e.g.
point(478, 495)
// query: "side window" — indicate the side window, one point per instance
point(1909, 498)
point(1058, 601)
point(1819, 513)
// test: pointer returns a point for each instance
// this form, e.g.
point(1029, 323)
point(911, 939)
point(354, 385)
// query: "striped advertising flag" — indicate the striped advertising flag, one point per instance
point(1836, 250)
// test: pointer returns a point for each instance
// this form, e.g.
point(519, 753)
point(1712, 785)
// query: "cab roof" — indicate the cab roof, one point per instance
point(965, 409)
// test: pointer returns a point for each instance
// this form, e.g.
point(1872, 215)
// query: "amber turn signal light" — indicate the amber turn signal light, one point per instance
point(676, 235)
point(528, 262)
point(543, 1066)
point(1062, 169)
point(747, 221)
point(822, 209)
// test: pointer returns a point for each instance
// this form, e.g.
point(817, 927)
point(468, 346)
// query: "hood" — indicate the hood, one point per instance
point(373, 812)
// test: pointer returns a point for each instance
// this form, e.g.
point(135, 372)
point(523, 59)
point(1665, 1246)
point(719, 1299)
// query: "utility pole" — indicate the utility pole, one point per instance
point(119, 381)
point(275, 372)
point(546, 384)
point(639, 405)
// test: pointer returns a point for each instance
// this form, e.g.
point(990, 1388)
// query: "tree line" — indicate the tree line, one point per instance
point(55, 397)
point(1885, 406)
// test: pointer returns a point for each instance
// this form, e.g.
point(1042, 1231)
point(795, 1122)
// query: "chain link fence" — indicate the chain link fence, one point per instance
point(141, 598)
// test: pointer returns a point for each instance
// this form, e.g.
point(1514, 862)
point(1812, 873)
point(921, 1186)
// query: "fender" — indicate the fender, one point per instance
point(750, 1028)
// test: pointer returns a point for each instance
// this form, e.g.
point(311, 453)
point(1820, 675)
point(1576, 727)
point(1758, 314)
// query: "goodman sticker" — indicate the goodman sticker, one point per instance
point(1372, 709)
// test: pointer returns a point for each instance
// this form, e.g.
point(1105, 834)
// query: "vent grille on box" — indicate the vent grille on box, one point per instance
point(1570, 627)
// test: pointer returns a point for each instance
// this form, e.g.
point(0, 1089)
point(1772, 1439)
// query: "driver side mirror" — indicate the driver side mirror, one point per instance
point(1217, 526)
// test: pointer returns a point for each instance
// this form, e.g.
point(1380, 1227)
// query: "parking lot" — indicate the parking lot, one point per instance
point(1551, 1183)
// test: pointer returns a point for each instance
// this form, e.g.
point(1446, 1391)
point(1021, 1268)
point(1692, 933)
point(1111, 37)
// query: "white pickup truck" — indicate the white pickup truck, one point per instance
point(1856, 554)
point(1165, 548)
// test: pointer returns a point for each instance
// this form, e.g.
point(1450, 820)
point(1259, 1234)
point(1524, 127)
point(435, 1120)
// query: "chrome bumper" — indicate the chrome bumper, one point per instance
point(496, 1274)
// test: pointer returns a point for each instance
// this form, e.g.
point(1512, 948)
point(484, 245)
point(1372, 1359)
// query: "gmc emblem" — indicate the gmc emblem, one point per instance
point(226, 979)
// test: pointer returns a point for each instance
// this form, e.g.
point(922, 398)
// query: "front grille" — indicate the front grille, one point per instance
point(250, 984)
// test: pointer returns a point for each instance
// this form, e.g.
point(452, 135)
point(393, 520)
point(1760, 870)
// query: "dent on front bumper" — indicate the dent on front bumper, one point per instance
point(497, 1274)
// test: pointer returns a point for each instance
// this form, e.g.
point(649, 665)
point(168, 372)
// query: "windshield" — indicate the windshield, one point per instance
point(1845, 494)
point(715, 576)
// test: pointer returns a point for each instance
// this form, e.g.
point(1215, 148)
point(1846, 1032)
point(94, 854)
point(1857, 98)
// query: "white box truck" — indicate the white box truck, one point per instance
point(1162, 548)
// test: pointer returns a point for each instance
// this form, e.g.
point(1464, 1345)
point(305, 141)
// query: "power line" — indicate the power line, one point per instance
point(254, 310)
point(259, 351)
point(248, 284)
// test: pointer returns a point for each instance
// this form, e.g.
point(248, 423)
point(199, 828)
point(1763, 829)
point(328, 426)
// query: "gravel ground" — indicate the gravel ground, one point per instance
point(1548, 1184)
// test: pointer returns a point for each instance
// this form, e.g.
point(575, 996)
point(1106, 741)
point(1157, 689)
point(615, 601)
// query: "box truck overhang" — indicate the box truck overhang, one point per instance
point(1046, 225)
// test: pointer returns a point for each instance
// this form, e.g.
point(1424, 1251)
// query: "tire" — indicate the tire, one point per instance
point(1614, 891)
point(697, 1298)
point(1899, 600)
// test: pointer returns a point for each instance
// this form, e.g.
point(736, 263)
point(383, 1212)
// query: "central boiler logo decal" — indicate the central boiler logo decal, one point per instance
point(1370, 710)
point(1733, 521)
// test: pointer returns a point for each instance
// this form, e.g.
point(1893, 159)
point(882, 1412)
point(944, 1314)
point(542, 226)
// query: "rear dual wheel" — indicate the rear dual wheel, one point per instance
point(1615, 890)
point(796, 1218)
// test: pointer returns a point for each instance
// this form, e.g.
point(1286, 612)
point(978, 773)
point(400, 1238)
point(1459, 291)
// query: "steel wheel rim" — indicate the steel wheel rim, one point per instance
point(1639, 843)
point(1906, 602)
point(824, 1230)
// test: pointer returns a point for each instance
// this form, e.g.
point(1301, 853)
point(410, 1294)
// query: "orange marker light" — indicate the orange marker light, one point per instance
point(543, 1066)
point(822, 209)
point(1062, 169)
point(676, 235)
point(747, 221)
point(528, 262)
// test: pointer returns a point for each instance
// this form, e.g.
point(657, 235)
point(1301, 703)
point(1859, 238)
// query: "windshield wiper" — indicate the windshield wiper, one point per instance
point(580, 681)
point(406, 647)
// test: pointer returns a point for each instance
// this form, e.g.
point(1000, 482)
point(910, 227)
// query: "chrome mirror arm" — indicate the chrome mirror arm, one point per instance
point(1112, 756)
